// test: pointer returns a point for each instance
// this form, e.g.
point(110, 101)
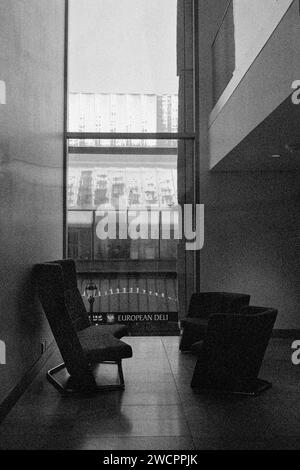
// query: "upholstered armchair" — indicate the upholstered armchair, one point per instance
point(230, 357)
point(83, 346)
point(201, 307)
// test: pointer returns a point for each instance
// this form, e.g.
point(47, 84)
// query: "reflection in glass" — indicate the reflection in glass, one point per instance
point(138, 191)
point(122, 181)
point(80, 235)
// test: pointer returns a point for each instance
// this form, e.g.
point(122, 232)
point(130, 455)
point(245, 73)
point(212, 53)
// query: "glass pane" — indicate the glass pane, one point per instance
point(123, 78)
point(135, 193)
point(80, 235)
point(122, 180)
point(169, 230)
point(122, 66)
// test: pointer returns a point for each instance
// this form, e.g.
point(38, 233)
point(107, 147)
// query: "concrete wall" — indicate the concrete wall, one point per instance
point(265, 86)
point(252, 226)
point(31, 177)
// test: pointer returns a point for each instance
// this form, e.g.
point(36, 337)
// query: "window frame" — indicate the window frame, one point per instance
point(191, 7)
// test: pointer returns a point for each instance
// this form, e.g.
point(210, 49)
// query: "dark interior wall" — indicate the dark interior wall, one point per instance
point(31, 175)
point(252, 225)
point(223, 55)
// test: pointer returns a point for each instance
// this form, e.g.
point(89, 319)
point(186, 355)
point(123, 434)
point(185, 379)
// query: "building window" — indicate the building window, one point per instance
point(123, 83)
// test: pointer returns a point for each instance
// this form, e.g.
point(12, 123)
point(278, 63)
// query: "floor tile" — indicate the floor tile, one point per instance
point(123, 426)
point(121, 443)
point(159, 409)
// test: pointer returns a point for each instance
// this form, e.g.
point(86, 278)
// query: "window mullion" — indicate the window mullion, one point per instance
point(133, 136)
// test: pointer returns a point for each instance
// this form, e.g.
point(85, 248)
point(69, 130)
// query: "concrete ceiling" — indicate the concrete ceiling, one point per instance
point(280, 130)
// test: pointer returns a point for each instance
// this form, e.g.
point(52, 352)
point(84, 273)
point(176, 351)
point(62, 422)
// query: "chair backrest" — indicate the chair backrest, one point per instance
point(252, 310)
point(235, 345)
point(207, 303)
point(233, 302)
point(50, 284)
point(204, 304)
point(73, 298)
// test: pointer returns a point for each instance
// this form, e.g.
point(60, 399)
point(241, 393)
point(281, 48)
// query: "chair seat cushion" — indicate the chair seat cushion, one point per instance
point(98, 346)
point(197, 348)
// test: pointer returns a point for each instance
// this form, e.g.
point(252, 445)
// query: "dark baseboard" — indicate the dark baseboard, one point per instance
point(289, 334)
point(11, 399)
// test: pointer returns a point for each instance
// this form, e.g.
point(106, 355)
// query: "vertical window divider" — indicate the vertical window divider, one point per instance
point(65, 131)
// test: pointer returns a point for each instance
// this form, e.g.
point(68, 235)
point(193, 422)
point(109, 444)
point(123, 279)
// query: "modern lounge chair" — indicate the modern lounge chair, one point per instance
point(75, 304)
point(230, 357)
point(201, 307)
point(81, 345)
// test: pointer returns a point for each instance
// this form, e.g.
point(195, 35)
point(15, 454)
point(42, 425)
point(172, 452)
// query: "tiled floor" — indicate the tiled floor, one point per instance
point(158, 409)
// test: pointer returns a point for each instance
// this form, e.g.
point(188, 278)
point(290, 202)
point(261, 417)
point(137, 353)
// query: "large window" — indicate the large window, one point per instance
point(122, 79)
point(124, 137)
